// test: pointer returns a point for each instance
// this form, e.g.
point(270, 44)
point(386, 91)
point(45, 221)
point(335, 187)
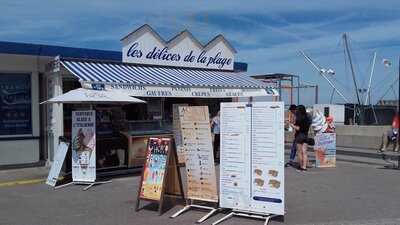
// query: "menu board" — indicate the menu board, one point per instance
point(15, 104)
point(252, 157)
point(84, 146)
point(196, 141)
point(325, 150)
point(177, 133)
point(155, 168)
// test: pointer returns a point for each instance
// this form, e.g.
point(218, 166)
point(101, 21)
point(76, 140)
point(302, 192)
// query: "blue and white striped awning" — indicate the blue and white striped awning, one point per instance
point(123, 75)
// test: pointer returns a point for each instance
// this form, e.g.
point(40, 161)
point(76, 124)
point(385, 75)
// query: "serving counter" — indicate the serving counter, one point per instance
point(138, 134)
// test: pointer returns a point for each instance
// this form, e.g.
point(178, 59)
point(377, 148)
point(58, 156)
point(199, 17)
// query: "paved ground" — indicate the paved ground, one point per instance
point(27, 175)
point(349, 194)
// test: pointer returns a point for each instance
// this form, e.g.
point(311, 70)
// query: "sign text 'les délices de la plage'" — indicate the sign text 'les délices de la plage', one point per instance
point(163, 54)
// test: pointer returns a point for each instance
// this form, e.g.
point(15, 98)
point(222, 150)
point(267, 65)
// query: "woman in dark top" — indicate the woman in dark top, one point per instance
point(301, 126)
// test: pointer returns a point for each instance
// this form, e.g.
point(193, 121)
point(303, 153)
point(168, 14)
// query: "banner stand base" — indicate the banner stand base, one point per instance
point(202, 219)
point(265, 217)
point(90, 184)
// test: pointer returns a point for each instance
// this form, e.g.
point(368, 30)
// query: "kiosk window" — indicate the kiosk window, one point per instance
point(15, 104)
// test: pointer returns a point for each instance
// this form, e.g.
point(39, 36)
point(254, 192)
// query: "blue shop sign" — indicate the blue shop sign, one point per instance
point(15, 104)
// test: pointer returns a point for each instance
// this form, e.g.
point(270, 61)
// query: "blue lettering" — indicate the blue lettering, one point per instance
point(201, 58)
point(162, 55)
point(189, 58)
point(133, 52)
point(218, 60)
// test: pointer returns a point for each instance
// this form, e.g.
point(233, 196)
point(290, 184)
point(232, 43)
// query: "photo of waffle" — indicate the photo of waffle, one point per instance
point(274, 184)
point(273, 173)
point(259, 182)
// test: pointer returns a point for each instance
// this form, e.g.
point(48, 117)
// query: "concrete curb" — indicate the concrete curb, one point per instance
point(363, 154)
point(22, 182)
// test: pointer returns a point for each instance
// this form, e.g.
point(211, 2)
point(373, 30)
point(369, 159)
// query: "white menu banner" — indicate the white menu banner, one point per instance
point(84, 146)
point(57, 164)
point(196, 142)
point(252, 157)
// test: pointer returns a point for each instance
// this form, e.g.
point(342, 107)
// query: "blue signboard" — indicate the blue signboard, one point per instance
point(15, 104)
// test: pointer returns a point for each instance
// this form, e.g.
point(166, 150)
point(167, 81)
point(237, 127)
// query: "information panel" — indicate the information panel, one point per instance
point(84, 146)
point(15, 104)
point(197, 144)
point(252, 157)
point(155, 168)
point(325, 150)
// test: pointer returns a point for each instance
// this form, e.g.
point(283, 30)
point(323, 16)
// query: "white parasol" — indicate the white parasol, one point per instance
point(88, 96)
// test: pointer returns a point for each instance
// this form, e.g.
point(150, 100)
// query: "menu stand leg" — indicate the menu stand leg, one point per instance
point(186, 208)
point(63, 186)
point(223, 218)
point(263, 217)
point(202, 219)
point(95, 183)
point(267, 220)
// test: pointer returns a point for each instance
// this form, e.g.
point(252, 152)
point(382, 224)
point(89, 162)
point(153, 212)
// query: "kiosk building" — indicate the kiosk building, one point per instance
point(163, 73)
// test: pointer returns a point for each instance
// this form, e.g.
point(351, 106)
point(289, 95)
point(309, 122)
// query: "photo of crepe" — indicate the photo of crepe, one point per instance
point(259, 182)
point(274, 184)
point(273, 173)
point(258, 172)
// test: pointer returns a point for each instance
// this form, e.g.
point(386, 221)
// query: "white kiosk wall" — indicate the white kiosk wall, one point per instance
point(22, 148)
point(252, 157)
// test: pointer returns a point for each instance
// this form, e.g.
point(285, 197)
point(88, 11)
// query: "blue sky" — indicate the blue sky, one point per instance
point(267, 34)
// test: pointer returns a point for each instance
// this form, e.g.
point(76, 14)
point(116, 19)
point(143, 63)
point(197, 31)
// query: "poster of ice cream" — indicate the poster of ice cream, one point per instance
point(84, 146)
point(155, 168)
point(325, 150)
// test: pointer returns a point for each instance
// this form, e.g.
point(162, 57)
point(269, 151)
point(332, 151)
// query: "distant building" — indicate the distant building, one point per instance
point(388, 102)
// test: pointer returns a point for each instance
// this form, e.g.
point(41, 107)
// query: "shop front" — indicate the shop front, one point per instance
point(162, 73)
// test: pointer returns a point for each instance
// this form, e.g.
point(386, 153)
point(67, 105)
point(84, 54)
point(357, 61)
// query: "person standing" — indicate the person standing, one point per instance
point(292, 119)
point(215, 129)
point(301, 126)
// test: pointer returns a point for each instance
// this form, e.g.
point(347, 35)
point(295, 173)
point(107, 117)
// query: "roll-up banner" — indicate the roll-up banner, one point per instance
point(252, 157)
point(84, 146)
